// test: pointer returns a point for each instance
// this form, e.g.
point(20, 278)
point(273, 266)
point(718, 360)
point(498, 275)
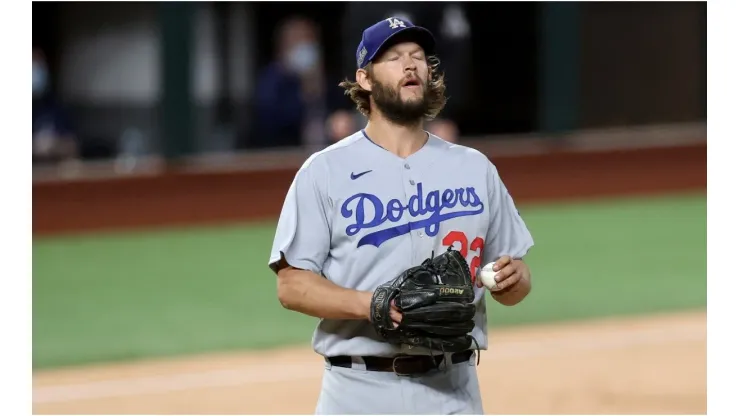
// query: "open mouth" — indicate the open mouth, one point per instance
point(410, 83)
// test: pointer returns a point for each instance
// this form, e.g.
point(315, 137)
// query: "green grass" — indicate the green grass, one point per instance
point(619, 257)
point(131, 295)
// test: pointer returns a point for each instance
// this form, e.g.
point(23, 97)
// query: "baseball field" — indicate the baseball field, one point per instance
point(187, 320)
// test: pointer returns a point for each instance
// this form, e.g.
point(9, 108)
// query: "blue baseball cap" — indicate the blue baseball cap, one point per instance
point(380, 34)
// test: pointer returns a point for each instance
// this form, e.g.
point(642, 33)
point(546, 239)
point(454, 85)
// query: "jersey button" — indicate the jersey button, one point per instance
point(411, 181)
point(407, 166)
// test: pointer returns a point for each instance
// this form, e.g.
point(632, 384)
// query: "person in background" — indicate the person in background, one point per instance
point(290, 95)
point(341, 124)
point(444, 129)
point(53, 137)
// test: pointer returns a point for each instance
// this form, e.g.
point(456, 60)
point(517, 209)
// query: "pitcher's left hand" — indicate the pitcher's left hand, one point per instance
point(509, 272)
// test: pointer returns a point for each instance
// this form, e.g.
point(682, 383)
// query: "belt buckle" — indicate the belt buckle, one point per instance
point(403, 357)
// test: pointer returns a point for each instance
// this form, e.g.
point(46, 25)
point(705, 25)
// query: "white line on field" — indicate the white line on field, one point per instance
point(275, 373)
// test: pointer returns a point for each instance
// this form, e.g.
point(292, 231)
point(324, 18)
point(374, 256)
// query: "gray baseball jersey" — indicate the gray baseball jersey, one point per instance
point(360, 215)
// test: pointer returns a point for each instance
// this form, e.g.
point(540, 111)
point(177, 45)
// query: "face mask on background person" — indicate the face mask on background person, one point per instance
point(303, 57)
point(39, 79)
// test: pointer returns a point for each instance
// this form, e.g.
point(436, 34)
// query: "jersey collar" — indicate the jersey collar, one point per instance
point(427, 154)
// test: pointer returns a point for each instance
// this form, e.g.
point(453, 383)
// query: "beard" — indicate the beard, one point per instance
point(396, 109)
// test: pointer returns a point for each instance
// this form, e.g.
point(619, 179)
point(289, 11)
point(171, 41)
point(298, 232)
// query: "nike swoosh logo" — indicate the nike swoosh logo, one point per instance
point(353, 176)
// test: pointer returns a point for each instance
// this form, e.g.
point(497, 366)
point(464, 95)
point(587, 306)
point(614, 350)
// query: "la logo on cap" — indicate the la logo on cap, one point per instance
point(395, 23)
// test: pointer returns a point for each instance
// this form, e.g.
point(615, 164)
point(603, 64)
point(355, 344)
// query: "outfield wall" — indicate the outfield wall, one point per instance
point(206, 196)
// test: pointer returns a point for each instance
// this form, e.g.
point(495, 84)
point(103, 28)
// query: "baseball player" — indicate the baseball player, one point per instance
point(368, 208)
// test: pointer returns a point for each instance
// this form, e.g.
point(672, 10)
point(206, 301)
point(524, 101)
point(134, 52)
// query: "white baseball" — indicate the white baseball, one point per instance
point(487, 276)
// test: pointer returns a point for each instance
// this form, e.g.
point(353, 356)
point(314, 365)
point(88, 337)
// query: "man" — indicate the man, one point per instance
point(52, 134)
point(445, 129)
point(453, 46)
point(446, 19)
point(340, 125)
point(290, 101)
point(378, 202)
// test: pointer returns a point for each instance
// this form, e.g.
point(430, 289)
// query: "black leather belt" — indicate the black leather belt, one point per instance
point(402, 364)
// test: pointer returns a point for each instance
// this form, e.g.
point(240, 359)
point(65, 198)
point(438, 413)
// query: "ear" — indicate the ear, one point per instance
point(363, 79)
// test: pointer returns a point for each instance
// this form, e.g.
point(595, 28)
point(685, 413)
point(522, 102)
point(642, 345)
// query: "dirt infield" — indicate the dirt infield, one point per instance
point(638, 365)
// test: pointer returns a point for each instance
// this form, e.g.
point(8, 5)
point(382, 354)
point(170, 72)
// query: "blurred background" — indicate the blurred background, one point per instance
point(165, 136)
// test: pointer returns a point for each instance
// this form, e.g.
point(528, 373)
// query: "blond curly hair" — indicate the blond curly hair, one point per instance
point(435, 89)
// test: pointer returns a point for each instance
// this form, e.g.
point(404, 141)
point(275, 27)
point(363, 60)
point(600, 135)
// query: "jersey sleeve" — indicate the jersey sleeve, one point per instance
point(303, 232)
point(507, 232)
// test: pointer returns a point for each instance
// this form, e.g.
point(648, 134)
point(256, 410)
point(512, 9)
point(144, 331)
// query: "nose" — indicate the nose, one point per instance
point(409, 64)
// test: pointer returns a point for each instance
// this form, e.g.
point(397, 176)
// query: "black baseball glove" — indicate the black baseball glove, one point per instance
point(435, 300)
